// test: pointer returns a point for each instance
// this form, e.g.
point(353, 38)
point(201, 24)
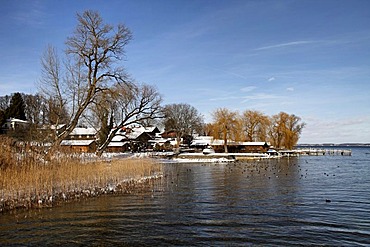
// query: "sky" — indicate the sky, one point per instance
point(308, 58)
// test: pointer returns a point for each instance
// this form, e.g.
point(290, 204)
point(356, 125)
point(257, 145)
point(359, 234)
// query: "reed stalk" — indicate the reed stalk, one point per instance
point(28, 179)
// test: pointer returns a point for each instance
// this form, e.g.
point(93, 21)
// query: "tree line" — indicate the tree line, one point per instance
point(87, 84)
point(282, 130)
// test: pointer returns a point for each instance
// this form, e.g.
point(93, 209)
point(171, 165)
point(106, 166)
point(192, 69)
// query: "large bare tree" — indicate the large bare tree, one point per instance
point(129, 104)
point(285, 129)
point(182, 118)
point(255, 125)
point(225, 124)
point(92, 66)
point(294, 128)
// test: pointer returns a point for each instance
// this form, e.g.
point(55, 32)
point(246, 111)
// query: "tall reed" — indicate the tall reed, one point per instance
point(25, 176)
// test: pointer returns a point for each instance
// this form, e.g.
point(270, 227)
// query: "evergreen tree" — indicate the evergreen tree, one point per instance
point(16, 108)
point(2, 118)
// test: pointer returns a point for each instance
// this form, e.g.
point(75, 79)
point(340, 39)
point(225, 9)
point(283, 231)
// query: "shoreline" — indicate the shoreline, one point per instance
point(127, 186)
point(28, 181)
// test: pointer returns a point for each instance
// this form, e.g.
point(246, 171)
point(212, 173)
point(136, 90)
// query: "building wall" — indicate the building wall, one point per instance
point(82, 149)
point(240, 149)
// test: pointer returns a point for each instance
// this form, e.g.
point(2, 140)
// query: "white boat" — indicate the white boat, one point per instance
point(208, 150)
point(273, 152)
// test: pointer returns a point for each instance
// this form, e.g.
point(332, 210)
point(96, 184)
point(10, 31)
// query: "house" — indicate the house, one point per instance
point(201, 142)
point(80, 140)
point(118, 144)
point(133, 138)
point(162, 144)
point(79, 146)
point(15, 124)
point(81, 133)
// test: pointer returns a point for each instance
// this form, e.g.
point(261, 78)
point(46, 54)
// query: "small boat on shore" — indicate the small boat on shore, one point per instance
point(208, 150)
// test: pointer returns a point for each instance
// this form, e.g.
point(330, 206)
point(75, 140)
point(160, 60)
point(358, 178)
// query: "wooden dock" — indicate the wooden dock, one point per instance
point(317, 152)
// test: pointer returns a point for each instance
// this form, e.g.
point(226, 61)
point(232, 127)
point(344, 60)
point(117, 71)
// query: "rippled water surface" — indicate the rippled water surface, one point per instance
point(310, 200)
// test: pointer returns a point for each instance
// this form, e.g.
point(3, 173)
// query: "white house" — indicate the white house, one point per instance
point(14, 123)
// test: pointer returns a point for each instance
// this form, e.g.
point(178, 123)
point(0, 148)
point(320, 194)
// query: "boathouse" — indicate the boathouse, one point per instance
point(80, 140)
point(202, 142)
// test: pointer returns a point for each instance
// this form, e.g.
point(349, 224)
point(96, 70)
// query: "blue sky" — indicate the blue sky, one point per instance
point(309, 58)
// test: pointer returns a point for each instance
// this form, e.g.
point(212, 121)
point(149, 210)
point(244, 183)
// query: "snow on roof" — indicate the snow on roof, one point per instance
point(83, 131)
point(117, 144)
point(76, 142)
point(202, 141)
point(161, 141)
point(118, 138)
point(133, 132)
point(16, 120)
point(150, 129)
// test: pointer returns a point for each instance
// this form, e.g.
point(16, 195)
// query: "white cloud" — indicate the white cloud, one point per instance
point(248, 89)
point(271, 79)
point(224, 98)
point(342, 130)
point(293, 43)
point(31, 14)
point(260, 96)
point(290, 89)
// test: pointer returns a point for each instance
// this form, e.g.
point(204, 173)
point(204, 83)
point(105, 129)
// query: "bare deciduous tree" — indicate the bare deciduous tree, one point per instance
point(225, 125)
point(4, 102)
point(52, 88)
point(293, 130)
point(91, 66)
point(255, 125)
point(182, 118)
point(284, 130)
point(130, 104)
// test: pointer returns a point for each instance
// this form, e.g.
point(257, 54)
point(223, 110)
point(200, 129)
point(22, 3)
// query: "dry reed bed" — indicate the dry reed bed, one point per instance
point(26, 181)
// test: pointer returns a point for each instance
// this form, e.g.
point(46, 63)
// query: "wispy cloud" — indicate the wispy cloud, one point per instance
point(290, 89)
point(260, 96)
point(293, 43)
point(32, 15)
point(224, 98)
point(271, 79)
point(248, 89)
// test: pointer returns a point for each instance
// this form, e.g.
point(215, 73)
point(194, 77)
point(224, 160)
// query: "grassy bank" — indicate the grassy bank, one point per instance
point(27, 181)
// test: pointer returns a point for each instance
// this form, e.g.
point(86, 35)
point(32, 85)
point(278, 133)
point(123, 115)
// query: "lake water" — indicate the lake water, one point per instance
point(309, 200)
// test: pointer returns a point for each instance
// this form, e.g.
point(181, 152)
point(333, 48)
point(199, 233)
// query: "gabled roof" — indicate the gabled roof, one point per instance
point(202, 141)
point(133, 133)
point(118, 138)
point(16, 120)
point(117, 144)
point(83, 131)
